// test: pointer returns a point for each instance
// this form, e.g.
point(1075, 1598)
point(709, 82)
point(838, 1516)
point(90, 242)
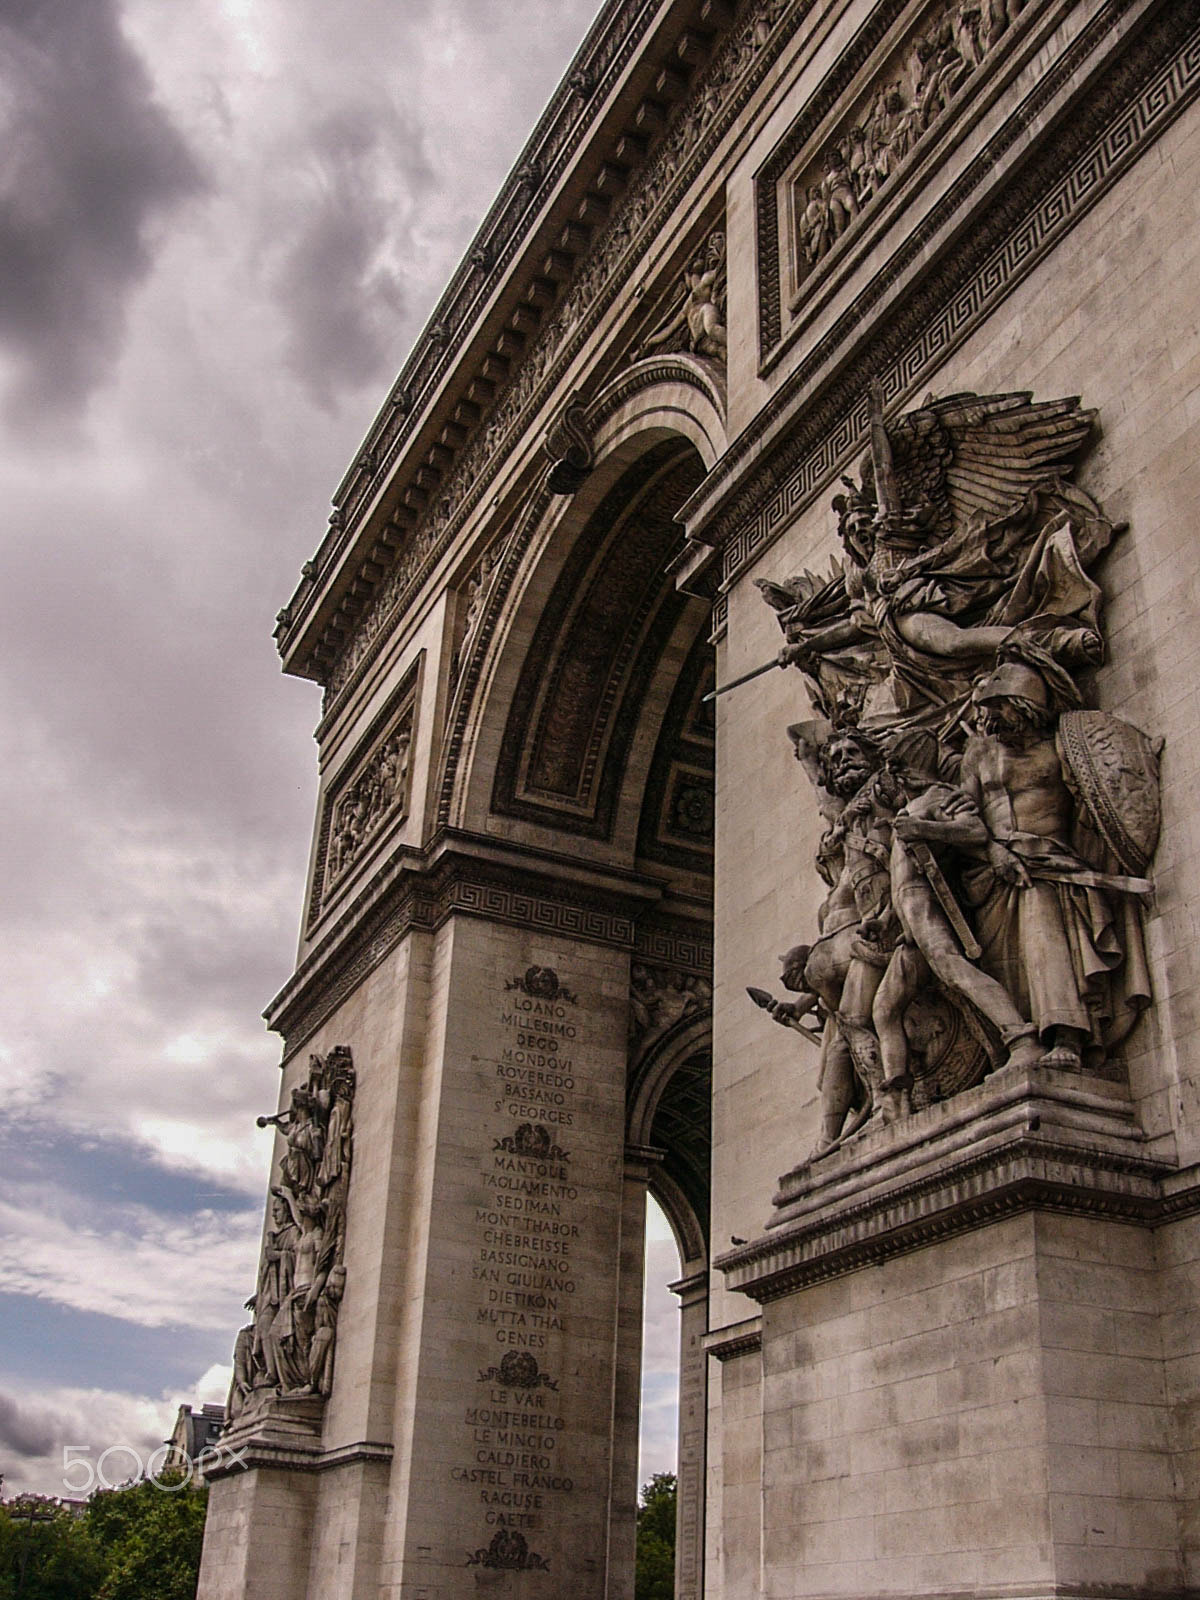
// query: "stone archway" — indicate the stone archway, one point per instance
point(666, 410)
point(588, 737)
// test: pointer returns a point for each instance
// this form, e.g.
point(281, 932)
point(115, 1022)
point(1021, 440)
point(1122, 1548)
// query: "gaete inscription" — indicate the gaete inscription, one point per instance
point(527, 1228)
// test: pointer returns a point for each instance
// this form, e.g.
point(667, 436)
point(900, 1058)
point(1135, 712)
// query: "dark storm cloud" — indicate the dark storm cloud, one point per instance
point(26, 1430)
point(339, 286)
point(90, 1172)
point(89, 160)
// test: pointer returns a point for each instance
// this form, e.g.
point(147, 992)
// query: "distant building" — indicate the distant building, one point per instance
point(194, 1433)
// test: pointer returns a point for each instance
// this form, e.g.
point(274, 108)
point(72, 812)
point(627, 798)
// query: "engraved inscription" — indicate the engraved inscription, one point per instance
point(527, 1225)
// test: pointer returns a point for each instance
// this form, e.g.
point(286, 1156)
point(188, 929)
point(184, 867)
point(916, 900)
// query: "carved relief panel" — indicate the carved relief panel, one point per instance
point(368, 799)
point(852, 145)
point(286, 1352)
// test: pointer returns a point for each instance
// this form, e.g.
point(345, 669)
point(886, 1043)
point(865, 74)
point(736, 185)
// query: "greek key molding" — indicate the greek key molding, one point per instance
point(1142, 93)
point(686, 947)
point(500, 903)
point(406, 897)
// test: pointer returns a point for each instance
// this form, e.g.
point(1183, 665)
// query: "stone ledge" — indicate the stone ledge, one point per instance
point(738, 1339)
point(297, 1456)
point(1021, 1141)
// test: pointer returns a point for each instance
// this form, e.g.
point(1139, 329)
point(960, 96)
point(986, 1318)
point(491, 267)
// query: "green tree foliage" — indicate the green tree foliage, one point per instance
point(655, 1571)
point(46, 1553)
point(151, 1538)
point(137, 1543)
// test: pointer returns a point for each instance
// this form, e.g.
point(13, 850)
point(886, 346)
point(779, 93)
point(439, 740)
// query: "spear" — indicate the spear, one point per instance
point(887, 495)
point(763, 999)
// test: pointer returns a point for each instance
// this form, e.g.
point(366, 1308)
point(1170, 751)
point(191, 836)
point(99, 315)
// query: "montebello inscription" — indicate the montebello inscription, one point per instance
point(528, 1227)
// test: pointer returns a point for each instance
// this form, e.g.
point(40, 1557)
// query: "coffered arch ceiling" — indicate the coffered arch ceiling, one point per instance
point(585, 647)
point(595, 650)
point(682, 1130)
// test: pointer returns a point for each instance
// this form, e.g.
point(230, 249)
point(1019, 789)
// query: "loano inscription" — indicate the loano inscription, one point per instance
point(526, 1223)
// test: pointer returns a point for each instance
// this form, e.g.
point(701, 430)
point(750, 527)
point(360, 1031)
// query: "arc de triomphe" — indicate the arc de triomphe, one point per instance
point(857, 342)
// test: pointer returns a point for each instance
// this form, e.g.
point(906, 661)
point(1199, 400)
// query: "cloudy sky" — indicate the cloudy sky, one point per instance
point(222, 225)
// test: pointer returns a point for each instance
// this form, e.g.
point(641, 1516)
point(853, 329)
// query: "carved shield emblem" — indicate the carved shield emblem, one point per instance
point(1113, 770)
point(948, 1053)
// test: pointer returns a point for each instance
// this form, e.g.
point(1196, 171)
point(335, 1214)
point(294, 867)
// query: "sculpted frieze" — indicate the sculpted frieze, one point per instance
point(659, 997)
point(287, 1350)
point(374, 794)
point(890, 118)
point(379, 790)
point(695, 314)
point(472, 598)
point(987, 834)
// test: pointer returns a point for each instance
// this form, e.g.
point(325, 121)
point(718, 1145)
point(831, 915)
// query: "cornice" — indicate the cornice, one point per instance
point(1018, 1143)
point(297, 1457)
point(670, 368)
point(522, 202)
point(737, 65)
point(463, 874)
point(738, 1339)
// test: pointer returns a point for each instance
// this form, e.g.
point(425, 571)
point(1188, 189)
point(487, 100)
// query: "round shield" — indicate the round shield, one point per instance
point(947, 1054)
point(1113, 771)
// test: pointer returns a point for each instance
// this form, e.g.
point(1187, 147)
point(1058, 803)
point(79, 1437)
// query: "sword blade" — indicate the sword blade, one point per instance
point(735, 683)
point(924, 858)
point(887, 495)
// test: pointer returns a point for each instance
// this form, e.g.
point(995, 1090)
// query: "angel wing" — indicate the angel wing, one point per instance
point(970, 455)
point(807, 600)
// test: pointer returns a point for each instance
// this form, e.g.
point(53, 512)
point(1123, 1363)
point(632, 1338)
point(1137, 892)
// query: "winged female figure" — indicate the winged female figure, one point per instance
point(962, 531)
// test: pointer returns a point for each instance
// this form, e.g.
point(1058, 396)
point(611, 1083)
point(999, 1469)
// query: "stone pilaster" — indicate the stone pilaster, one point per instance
point(693, 1419)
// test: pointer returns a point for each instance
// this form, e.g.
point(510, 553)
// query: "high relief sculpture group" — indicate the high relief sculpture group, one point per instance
point(287, 1350)
point(987, 834)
